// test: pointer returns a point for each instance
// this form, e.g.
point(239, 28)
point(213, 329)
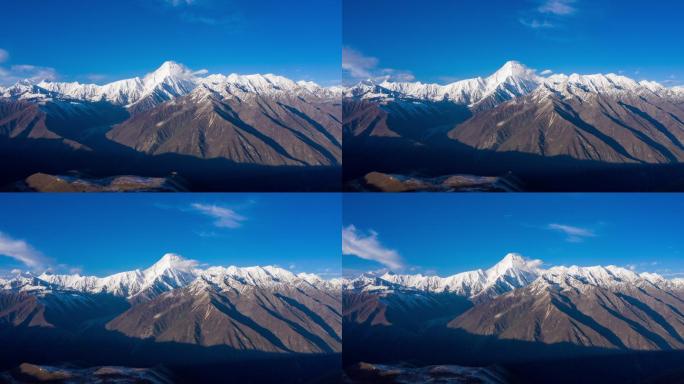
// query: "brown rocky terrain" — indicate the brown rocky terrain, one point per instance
point(609, 128)
point(281, 320)
point(631, 318)
point(258, 130)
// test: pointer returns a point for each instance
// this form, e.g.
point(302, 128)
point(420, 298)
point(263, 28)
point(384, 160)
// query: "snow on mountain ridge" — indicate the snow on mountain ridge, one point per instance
point(512, 272)
point(169, 81)
point(170, 272)
point(512, 80)
point(241, 86)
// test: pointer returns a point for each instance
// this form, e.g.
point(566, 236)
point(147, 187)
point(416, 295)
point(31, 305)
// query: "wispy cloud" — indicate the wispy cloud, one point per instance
point(546, 72)
point(558, 7)
point(23, 252)
point(223, 217)
point(368, 247)
point(548, 14)
point(14, 73)
point(573, 234)
point(357, 66)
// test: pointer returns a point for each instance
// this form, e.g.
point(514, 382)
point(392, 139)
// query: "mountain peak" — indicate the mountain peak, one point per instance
point(511, 260)
point(513, 68)
point(171, 261)
point(170, 68)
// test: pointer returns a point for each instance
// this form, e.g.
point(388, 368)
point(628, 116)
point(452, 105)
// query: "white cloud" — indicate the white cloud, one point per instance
point(557, 7)
point(368, 247)
point(4, 55)
point(533, 263)
point(358, 66)
point(546, 72)
point(574, 234)
point(22, 251)
point(15, 73)
point(548, 14)
point(181, 263)
point(224, 217)
point(397, 75)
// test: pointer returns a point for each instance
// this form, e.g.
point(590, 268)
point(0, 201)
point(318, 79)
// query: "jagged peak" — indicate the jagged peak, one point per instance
point(171, 261)
point(515, 271)
point(513, 261)
point(310, 277)
point(513, 68)
point(171, 68)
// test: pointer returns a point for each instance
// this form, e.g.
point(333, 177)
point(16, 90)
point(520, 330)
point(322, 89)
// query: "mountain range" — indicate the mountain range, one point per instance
point(242, 120)
point(265, 309)
point(605, 307)
point(515, 117)
point(619, 325)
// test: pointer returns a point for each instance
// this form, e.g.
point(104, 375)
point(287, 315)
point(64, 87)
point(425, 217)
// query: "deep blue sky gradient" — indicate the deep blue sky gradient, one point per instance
point(124, 38)
point(451, 233)
point(108, 233)
point(441, 41)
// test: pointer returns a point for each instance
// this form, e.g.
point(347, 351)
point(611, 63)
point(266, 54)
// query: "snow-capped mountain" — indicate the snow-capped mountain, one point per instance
point(255, 309)
point(235, 85)
point(584, 86)
point(170, 272)
point(542, 129)
point(169, 81)
point(606, 307)
point(512, 272)
point(612, 277)
point(172, 118)
point(511, 80)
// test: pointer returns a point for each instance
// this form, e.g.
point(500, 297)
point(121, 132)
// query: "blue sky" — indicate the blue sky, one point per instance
point(444, 41)
point(445, 234)
point(102, 234)
point(100, 41)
